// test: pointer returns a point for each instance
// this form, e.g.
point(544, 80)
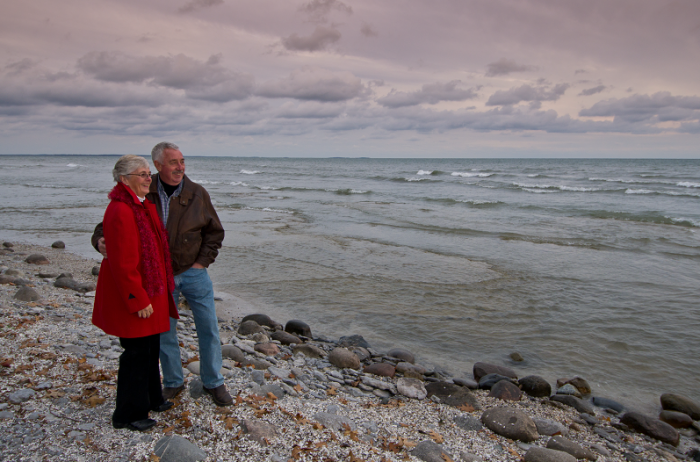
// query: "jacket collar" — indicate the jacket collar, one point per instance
point(187, 189)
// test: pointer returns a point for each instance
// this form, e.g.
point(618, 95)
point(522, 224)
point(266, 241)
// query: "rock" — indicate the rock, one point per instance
point(250, 327)
point(14, 272)
point(676, 419)
point(562, 444)
point(65, 282)
point(506, 391)
point(466, 383)
point(77, 350)
point(452, 394)
point(5, 279)
point(296, 327)
point(177, 449)
point(538, 454)
point(59, 245)
point(344, 359)
point(37, 259)
point(379, 384)
point(536, 386)
point(194, 367)
point(268, 349)
point(27, 294)
point(481, 369)
point(469, 457)
point(261, 320)
point(569, 389)
point(279, 372)
point(430, 451)
point(259, 364)
point(651, 427)
point(673, 402)
point(607, 404)
point(576, 403)
point(380, 369)
point(403, 355)
point(511, 423)
point(353, 340)
point(361, 352)
point(232, 352)
point(196, 388)
point(285, 338)
point(259, 337)
point(581, 385)
point(273, 388)
point(20, 396)
point(468, 423)
point(95, 270)
point(517, 357)
point(550, 427)
point(404, 367)
point(412, 388)
point(312, 351)
point(7, 415)
point(489, 380)
point(7, 245)
point(334, 422)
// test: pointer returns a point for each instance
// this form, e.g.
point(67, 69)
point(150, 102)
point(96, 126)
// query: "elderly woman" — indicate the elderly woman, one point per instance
point(133, 300)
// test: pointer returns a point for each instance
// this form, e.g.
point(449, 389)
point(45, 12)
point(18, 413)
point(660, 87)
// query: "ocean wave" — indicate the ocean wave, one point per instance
point(269, 188)
point(238, 183)
point(424, 172)
point(268, 209)
point(74, 165)
point(613, 180)
point(539, 191)
point(472, 175)
point(249, 172)
point(346, 192)
point(415, 179)
point(205, 181)
point(650, 217)
point(480, 203)
point(639, 191)
point(538, 187)
point(688, 184)
point(685, 222)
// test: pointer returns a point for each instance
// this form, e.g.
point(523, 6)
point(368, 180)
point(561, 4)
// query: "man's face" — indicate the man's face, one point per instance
point(172, 169)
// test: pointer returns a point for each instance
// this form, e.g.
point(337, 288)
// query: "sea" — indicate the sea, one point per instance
point(585, 267)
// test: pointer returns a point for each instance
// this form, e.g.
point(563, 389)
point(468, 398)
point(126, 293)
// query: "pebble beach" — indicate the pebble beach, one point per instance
point(298, 397)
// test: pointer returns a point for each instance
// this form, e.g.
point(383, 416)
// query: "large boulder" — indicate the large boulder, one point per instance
point(535, 386)
point(344, 358)
point(177, 449)
point(262, 320)
point(676, 419)
point(481, 369)
point(380, 369)
point(511, 423)
point(651, 427)
point(27, 294)
point(250, 327)
point(297, 327)
point(403, 355)
point(452, 394)
point(506, 391)
point(673, 402)
point(412, 388)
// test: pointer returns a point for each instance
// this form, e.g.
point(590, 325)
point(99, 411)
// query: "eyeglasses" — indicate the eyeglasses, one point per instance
point(143, 175)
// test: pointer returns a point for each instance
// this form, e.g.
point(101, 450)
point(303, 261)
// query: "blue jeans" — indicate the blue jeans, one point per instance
point(195, 285)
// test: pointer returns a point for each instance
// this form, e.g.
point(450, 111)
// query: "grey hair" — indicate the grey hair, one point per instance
point(128, 164)
point(157, 151)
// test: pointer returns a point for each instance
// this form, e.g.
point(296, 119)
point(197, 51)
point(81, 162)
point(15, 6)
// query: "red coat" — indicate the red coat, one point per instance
point(120, 289)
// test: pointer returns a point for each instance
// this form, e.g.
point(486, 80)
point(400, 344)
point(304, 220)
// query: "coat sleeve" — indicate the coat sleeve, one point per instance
point(212, 233)
point(124, 255)
point(96, 235)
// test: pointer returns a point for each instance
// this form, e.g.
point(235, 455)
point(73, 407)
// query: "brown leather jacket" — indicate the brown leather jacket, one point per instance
point(194, 228)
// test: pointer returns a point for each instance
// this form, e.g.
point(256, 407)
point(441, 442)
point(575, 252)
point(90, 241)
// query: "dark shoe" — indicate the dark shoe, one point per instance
point(220, 395)
point(163, 407)
point(137, 425)
point(171, 392)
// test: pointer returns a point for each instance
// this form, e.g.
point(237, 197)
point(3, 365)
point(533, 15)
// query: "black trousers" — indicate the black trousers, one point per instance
point(138, 381)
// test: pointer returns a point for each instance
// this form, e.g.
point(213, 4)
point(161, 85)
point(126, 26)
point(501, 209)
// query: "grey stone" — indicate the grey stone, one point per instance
point(279, 372)
point(196, 388)
point(676, 419)
point(468, 423)
point(20, 396)
point(344, 359)
point(258, 377)
point(361, 352)
point(550, 427)
point(430, 451)
point(403, 355)
point(259, 430)
point(651, 427)
point(37, 259)
point(7, 245)
point(259, 364)
point(607, 404)
point(562, 444)
point(232, 352)
point(297, 327)
point(469, 383)
point(334, 421)
point(489, 380)
point(72, 284)
point(536, 386)
point(580, 384)
point(178, 449)
point(7, 415)
point(404, 367)
point(261, 320)
point(452, 394)
point(481, 369)
point(379, 384)
point(273, 388)
point(95, 270)
point(194, 367)
point(511, 423)
point(86, 427)
point(76, 435)
point(538, 454)
point(311, 351)
point(469, 457)
point(250, 327)
point(353, 340)
point(569, 389)
point(576, 403)
point(44, 385)
point(679, 403)
point(5, 279)
point(506, 390)
point(412, 388)
point(517, 357)
point(380, 369)
point(27, 294)
point(285, 338)
point(59, 245)
point(268, 348)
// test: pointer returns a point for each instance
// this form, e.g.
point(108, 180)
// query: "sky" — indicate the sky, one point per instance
point(325, 78)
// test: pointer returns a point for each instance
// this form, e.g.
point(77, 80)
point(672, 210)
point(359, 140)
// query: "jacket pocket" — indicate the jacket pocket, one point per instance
point(188, 245)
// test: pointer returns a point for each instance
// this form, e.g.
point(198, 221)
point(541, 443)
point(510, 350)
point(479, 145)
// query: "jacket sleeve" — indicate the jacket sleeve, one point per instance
point(212, 234)
point(96, 235)
point(124, 255)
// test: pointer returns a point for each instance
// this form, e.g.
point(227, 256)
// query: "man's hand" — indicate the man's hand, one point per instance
point(102, 247)
point(146, 312)
point(197, 266)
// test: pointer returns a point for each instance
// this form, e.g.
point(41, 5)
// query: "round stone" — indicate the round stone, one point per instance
point(511, 423)
point(676, 419)
point(250, 327)
point(506, 390)
point(27, 294)
point(268, 349)
point(37, 259)
point(59, 245)
point(297, 327)
point(535, 386)
point(261, 320)
point(285, 338)
point(403, 355)
point(344, 359)
point(412, 388)
point(380, 369)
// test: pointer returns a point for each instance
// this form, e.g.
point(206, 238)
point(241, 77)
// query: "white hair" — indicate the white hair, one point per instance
point(157, 151)
point(128, 164)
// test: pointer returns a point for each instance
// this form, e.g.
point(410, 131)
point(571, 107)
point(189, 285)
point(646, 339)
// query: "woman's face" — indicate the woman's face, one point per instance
point(139, 181)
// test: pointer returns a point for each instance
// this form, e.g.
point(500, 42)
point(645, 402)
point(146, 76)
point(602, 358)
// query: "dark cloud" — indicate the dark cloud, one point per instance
point(593, 91)
point(505, 66)
point(315, 84)
point(527, 93)
point(199, 4)
point(368, 30)
point(430, 93)
point(318, 40)
point(201, 80)
point(659, 107)
point(580, 71)
point(318, 10)
point(310, 110)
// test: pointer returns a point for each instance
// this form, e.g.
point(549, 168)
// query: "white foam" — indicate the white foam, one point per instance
point(472, 175)
point(685, 220)
point(639, 191)
point(479, 202)
point(268, 209)
point(416, 179)
point(577, 189)
point(424, 172)
point(238, 183)
point(249, 172)
point(539, 191)
point(74, 165)
point(688, 184)
point(205, 182)
point(269, 188)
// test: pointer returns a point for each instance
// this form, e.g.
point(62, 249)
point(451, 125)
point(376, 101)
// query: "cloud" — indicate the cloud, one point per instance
point(201, 80)
point(527, 93)
point(430, 93)
point(659, 107)
point(318, 40)
point(198, 5)
point(505, 66)
point(311, 83)
point(318, 10)
point(368, 30)
point(593, 91)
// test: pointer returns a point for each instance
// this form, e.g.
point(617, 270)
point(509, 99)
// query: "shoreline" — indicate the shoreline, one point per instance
point(51, 348)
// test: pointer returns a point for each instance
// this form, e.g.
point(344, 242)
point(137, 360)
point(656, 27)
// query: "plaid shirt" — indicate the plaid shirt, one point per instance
point(165, 201)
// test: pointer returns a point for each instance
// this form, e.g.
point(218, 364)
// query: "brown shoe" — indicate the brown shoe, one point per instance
point(220, 395)
point(171, 392)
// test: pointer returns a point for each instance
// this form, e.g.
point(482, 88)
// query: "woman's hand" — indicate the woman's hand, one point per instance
point(146, 312)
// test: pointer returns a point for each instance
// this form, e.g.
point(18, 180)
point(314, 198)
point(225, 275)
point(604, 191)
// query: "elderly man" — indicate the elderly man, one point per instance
point(195, 234)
